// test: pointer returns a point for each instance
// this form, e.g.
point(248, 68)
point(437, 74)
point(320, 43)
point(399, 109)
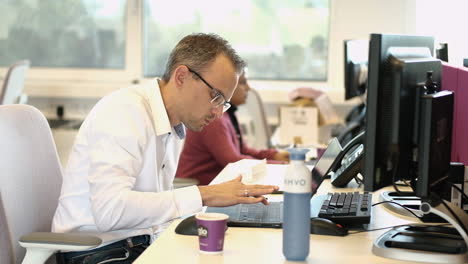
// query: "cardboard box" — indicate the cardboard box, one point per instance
point(298, 125)
point(326, 111)
point(299, 122)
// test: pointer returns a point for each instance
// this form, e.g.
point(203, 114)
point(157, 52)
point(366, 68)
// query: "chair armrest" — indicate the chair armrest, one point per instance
point(59, 241)
point(41, 245)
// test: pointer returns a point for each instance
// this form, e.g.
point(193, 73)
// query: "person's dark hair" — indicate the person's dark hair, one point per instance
point(198, 50)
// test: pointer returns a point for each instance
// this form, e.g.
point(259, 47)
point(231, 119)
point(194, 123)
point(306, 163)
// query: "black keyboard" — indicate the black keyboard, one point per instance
point(347, 208)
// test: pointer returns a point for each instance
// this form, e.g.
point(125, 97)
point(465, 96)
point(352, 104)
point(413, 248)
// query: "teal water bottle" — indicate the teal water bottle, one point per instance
point(296, 211)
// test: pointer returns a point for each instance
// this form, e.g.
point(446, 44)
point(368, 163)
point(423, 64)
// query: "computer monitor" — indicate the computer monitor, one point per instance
point(355, 63)
point(398, 67)
point(434, 144)
point(442, 52)
point(355, 71)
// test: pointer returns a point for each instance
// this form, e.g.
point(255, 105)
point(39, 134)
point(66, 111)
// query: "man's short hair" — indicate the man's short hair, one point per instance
point(198, 50)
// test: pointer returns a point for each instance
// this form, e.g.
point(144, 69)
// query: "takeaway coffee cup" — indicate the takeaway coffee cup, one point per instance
point(211, 230)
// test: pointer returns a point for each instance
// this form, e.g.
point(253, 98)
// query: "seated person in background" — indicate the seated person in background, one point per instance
point(207, 152)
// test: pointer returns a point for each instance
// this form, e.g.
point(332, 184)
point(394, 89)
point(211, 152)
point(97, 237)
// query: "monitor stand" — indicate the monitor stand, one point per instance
point(410, 202)
point(413, 203)
point(434, 244)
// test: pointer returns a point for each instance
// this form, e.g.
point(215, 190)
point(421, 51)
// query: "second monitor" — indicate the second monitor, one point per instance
point(398, 67)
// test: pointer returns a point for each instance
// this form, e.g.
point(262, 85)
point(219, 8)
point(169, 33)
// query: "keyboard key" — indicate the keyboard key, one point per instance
point(348, 199)
point(346, 208)
point(334, 199)
point(341, 200)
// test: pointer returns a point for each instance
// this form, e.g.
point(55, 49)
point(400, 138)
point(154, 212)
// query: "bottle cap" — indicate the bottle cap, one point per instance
point(297, 153)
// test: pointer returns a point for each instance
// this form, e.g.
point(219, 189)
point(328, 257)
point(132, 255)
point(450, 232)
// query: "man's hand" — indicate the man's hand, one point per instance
point(234, 192)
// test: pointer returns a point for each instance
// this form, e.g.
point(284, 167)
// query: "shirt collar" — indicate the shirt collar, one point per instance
point(180, 130)
point(158, 109)
point(232, 109)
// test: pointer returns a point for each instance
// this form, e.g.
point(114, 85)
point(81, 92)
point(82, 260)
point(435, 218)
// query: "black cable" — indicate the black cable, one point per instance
point(395, 171)
point(407, 183)
point(460, 191)
point(401, 184)
point(392, 202)
point(455, 216)
point(404, 184)
point(376, 229)
point(395, 185)
point(358, 179)
point(387, 227)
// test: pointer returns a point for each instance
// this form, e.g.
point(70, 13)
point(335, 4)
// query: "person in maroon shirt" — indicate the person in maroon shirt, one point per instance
point(207, 152)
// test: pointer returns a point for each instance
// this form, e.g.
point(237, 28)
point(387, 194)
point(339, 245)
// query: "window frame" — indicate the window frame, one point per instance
point(133, 57)
point(95, 83)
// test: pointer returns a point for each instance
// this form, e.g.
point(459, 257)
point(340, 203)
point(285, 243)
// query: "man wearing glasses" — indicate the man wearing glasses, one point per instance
point(118, 182)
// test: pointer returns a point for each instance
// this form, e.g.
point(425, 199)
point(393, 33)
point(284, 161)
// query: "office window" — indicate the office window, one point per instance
point(63, 33)
point(280, 40)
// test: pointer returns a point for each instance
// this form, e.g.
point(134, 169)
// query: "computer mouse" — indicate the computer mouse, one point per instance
point(322, 226)
point(188, 227)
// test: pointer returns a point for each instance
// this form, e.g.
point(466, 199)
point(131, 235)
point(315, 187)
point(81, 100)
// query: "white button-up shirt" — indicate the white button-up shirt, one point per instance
point(118, 182)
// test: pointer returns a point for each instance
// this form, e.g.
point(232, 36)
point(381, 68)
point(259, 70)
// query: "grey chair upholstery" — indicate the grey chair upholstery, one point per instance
point(30, 182)
point(259, 125)
point(6, 250)
point(12, 89)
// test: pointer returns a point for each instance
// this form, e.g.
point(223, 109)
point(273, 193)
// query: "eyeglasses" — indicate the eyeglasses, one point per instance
point(217, 97)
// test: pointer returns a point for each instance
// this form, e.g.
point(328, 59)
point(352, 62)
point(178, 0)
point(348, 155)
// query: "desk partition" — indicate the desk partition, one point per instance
point(456, 79)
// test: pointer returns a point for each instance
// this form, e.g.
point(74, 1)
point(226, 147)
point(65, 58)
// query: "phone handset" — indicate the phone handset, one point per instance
point(349, 162)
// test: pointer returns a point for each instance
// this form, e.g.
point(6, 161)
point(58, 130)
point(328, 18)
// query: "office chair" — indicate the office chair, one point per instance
point(30, 182)
point(12, 89)
point(348, 132)
point(260, 129)
point(355, 124)
point(6, 255)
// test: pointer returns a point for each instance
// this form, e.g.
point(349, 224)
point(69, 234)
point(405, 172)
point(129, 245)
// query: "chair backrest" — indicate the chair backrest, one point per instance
point(6, 251)
point(30, 176)
point(260, 129)
point(13, 83)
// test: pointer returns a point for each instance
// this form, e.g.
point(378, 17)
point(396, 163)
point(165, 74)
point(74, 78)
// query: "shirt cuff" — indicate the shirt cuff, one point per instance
point(188, 200)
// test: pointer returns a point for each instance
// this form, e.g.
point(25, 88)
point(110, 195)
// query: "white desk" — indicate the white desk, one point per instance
point(264, 245)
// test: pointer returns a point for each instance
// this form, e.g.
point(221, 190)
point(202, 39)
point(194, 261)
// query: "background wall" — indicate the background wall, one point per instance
point(349, 19)
point(447, 21)
point(354, 19)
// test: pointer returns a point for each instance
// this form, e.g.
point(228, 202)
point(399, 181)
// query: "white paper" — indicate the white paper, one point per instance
point(252, 171)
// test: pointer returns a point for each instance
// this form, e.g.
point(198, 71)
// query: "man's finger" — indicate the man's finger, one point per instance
point(251, 200)
point(259, 192)
point(237, 179)
point(258, 186)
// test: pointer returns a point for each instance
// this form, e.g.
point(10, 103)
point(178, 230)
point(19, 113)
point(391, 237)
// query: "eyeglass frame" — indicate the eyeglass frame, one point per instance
point(226, 105)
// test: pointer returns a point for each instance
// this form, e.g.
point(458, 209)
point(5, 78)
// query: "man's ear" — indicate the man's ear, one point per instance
point(180, 75)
